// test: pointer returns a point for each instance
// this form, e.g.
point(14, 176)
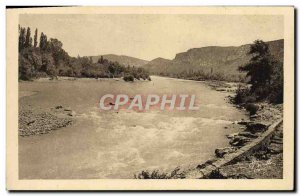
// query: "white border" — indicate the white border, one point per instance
point(3, 3)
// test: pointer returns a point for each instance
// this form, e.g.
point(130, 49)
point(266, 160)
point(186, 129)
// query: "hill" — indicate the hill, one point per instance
point(213, 60)
point(122, 59)
point(157, 65)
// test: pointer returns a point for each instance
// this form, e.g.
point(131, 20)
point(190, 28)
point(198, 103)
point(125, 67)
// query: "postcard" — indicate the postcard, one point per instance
point(150, 98)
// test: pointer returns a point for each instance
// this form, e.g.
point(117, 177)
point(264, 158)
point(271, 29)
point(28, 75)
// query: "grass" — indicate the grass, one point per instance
point(156, 174)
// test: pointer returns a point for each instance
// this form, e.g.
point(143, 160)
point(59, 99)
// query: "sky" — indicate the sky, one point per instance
point(151, 36)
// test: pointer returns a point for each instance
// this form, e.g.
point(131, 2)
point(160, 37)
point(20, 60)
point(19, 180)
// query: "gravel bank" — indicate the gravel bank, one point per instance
point(36, 122)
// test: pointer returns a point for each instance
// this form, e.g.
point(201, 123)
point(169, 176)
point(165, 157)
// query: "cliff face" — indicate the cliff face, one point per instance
point(225, 60)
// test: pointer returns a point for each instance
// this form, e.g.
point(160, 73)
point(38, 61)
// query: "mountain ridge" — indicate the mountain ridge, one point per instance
point(122, 59)
point(220, 60)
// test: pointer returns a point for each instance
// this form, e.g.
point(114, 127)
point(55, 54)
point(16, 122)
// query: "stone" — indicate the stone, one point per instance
point(275, 148)
point(255, 127)
point(220, 152)
point(208, 162)
point(254, 116)
point(30, 122)
point(277, 142)
point(247, 134)
point(207, 170)
point(217, 174)
point(58, 107)
point(243, 122)
point(239, 141)
point(232, 135)
point(194, 174)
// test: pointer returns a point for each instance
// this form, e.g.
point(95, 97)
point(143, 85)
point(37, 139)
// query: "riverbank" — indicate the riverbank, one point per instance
point(256, 150)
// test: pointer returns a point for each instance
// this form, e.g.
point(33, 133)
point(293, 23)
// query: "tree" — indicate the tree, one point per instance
point(259, 69)
point(101, 60)
point(25, 68)
point(265, 74)
point(58, 53)
point(28, 40)
point(22, 38)
point(35, 38)
point(43, 41)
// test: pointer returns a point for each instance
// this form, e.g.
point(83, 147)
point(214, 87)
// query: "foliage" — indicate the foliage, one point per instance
point(265, 76)
point(28, 39)
point(43, 42)
point(35, 38)
point(156, 174)
point(50, 59)
point(128, 78)
point(22, 37)
point(252, 108)
point(276, 84)
point(203, 74)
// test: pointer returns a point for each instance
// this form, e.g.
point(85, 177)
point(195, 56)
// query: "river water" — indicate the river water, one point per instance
point(120, 144)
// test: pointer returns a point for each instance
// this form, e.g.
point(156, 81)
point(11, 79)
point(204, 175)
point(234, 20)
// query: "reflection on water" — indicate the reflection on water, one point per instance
point(118, 144)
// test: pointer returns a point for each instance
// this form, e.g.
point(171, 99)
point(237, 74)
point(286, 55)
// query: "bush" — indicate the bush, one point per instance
point(26, 71)
point(252, 108)
point(243, 95)
point(156, 174)
point(128, 78)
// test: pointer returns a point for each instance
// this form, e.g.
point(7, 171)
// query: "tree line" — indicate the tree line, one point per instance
point(47, 58)
point(204, 74)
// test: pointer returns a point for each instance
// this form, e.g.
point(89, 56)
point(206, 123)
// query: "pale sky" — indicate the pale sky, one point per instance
point(151, 36)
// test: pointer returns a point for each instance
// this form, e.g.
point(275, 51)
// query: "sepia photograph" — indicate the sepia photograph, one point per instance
point(115, 96)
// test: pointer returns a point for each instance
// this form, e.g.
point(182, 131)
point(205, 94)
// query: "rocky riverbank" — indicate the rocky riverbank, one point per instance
point(267, 161)
point(36, 121)
point(253, 153)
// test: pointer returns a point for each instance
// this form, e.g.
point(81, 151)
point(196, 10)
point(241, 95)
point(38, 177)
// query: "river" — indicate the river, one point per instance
point(120, 144)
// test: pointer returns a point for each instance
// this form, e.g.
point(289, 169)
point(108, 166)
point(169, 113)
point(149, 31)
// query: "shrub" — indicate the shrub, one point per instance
point(156, 174)
point(26, 71)
point(128, 78)
point(243, 96)
point(252, 108)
